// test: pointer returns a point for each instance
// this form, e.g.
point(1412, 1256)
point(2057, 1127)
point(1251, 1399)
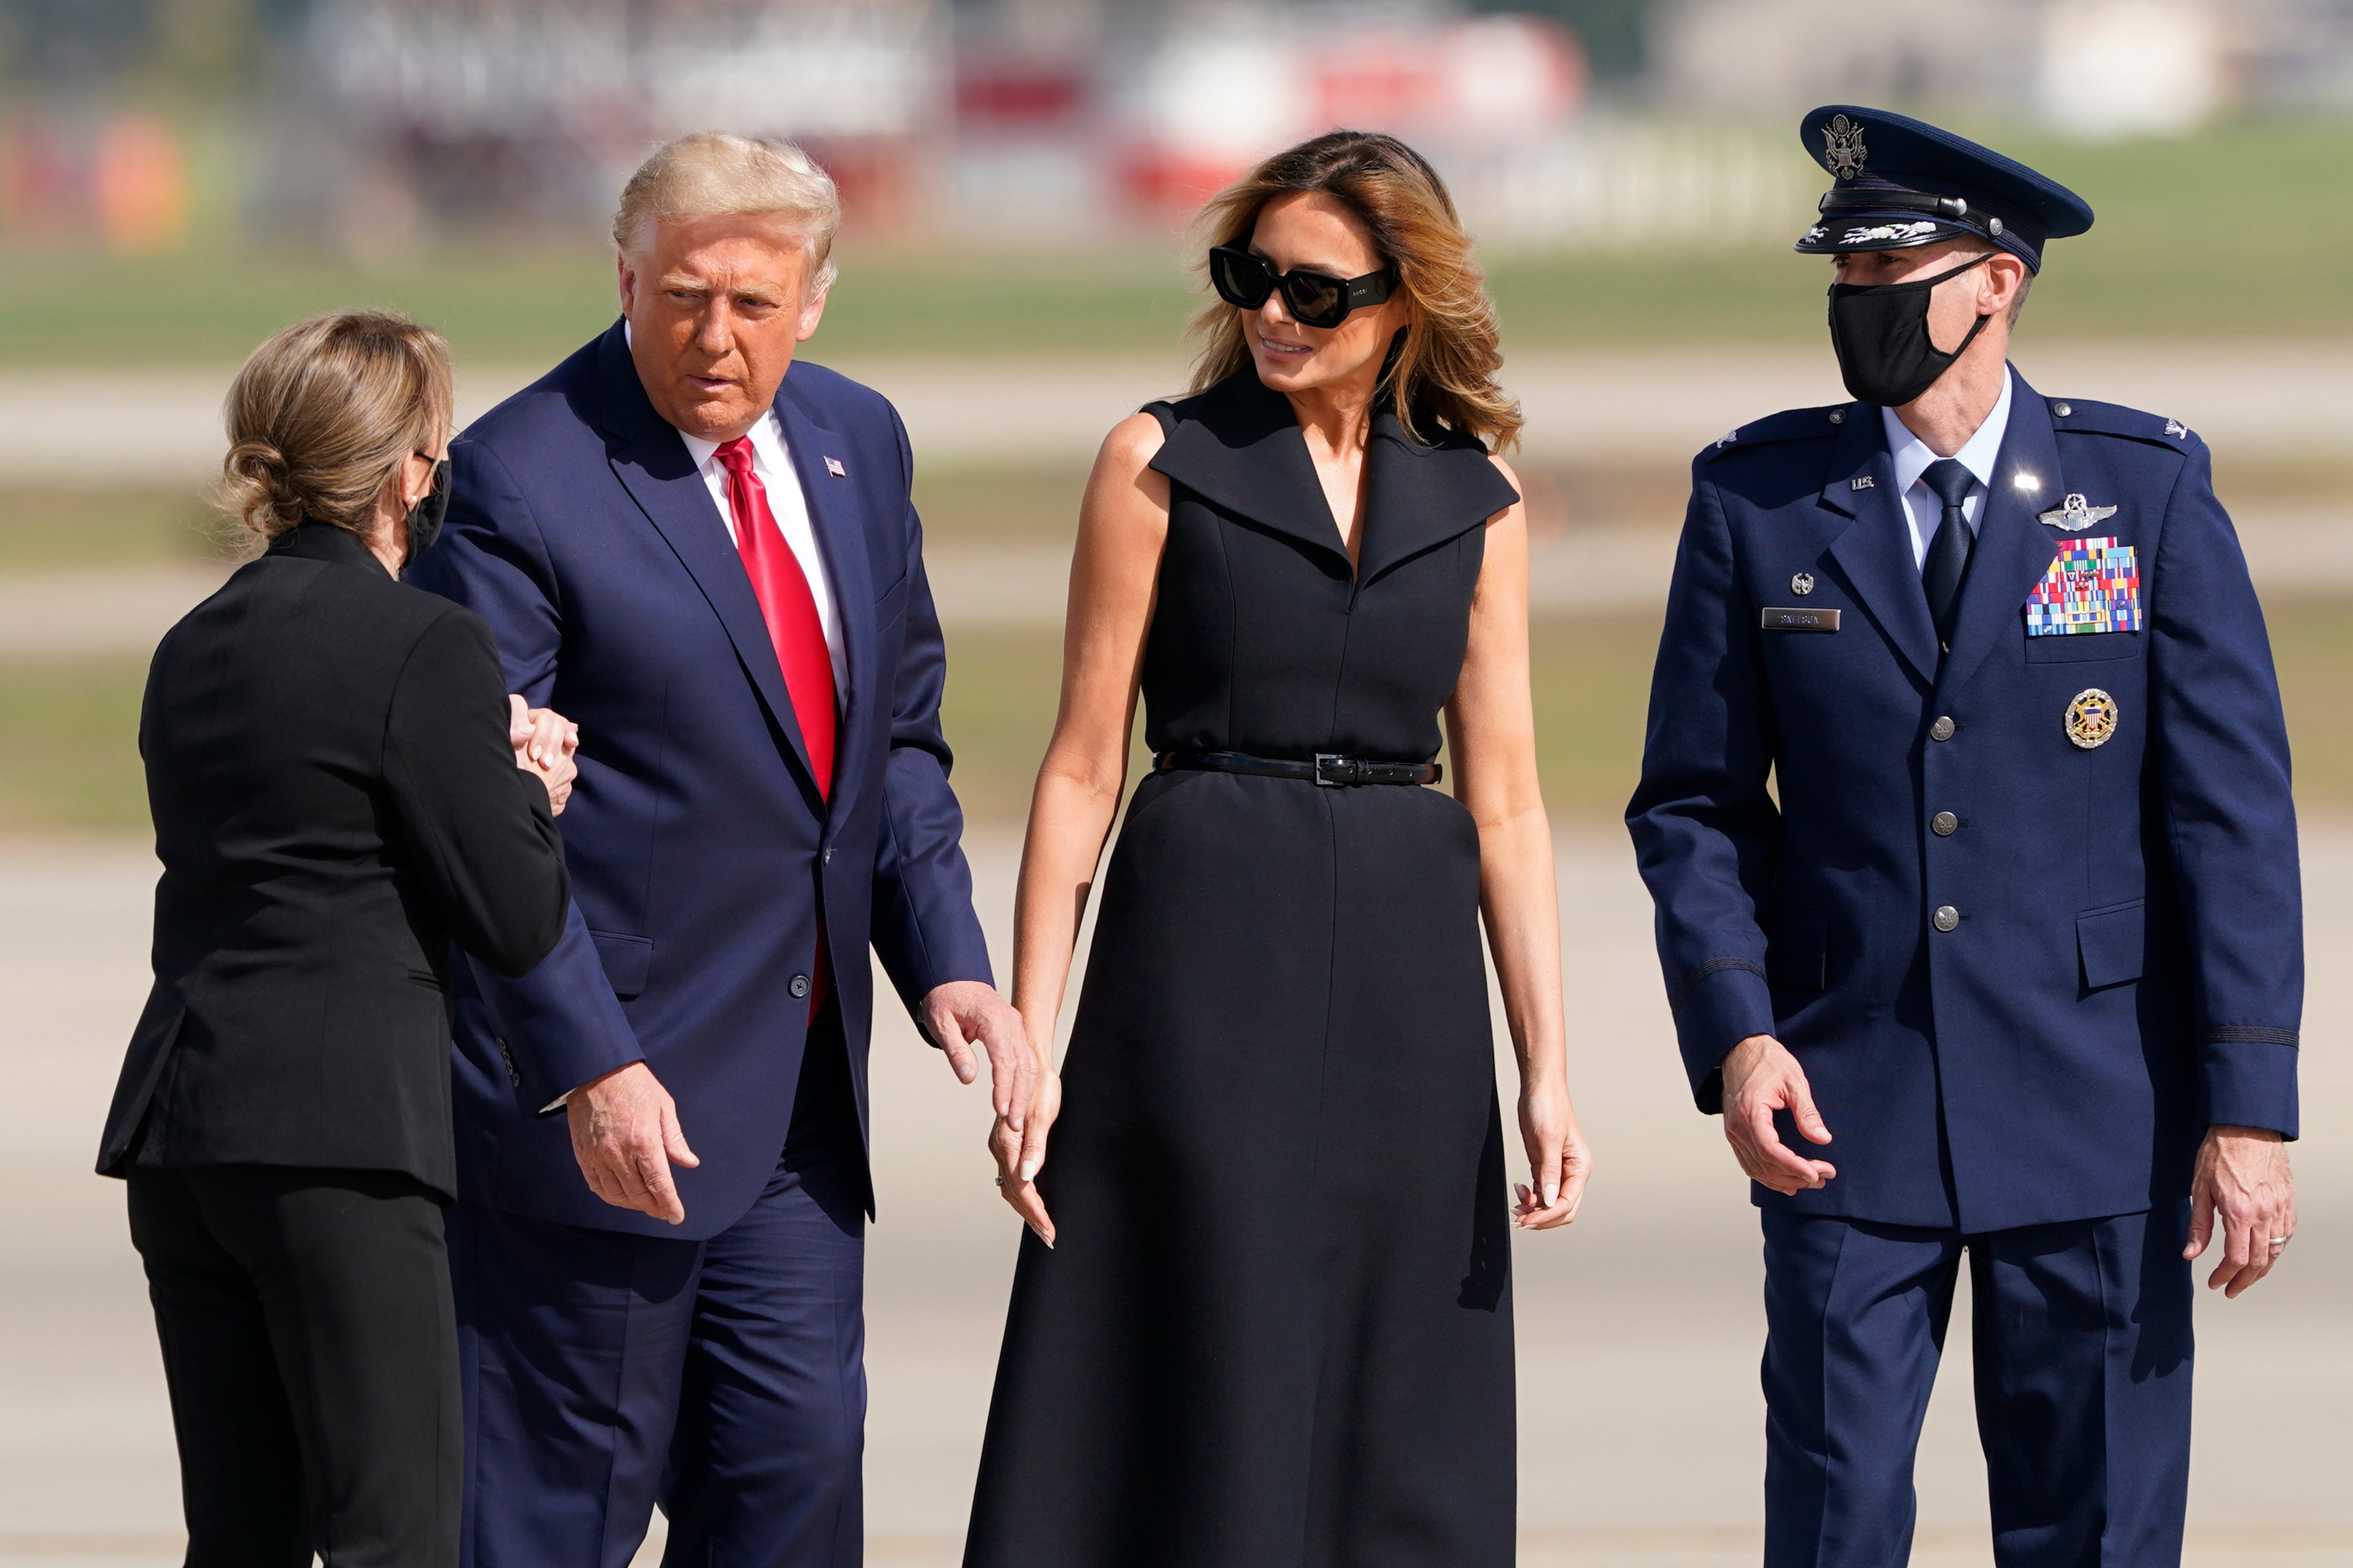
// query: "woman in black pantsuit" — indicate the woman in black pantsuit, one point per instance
point(335, 788)
point(1263, 1321)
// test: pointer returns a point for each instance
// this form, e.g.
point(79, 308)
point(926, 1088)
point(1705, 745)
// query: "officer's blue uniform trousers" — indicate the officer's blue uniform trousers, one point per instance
point(2082, 1351)
point(2026, 1080)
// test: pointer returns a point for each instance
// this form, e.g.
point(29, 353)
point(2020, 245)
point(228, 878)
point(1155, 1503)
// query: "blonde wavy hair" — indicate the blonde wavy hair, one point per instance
point(711, 173)
point(1444, 372)
point(322, 415)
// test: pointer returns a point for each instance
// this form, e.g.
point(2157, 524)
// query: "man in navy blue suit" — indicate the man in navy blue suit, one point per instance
point(713, 567)
point(1965, 807)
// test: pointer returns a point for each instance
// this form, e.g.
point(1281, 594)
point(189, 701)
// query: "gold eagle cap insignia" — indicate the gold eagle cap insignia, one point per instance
point(1842, 147)
point(2076, 514)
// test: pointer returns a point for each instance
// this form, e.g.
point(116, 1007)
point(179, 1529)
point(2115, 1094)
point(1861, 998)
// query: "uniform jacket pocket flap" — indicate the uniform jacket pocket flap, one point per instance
point(2113, 943)
point(626, 959)
point(1799, 956)
point(2081, 647)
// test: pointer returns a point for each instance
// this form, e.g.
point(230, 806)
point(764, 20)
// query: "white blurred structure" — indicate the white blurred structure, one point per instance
point(491, 111)
point(2123, 68)
point(2085, 68)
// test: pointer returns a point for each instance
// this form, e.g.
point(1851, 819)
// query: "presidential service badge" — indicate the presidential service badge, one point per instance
point(2075, 514)
point(1843, 148)
point(2091, 718)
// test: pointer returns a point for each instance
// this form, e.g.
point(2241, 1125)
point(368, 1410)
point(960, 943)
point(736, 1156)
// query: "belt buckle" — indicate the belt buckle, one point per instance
point(1325, 780)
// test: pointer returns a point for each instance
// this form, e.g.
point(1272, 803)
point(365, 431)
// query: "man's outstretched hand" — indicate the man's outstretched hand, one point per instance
point(626, 1135)
point(1760, 1077)
point(964, 1013)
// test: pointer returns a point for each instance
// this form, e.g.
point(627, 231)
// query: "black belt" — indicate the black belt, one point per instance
point(1326, 769)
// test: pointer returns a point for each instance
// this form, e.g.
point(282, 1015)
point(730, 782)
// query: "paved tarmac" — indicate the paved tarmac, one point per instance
point(1639, 1328)
point(2247, 398)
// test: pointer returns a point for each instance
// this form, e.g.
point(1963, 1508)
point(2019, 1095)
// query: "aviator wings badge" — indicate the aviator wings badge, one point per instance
point(2076, 514)
point(1842, 147)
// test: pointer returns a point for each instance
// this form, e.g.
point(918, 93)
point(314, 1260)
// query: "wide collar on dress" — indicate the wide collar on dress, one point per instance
point(1239, 447)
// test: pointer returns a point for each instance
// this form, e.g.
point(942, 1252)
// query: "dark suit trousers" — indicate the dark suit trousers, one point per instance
point(312, 1355)
point(723, 1379)
point(2082, 1340)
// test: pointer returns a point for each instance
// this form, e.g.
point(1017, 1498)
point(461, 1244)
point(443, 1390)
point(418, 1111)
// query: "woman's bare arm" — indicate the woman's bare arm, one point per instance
point(1491, 729)
point(1122, 524)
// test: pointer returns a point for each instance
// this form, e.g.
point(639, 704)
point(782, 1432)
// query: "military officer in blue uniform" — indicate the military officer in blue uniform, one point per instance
point(1965, 807)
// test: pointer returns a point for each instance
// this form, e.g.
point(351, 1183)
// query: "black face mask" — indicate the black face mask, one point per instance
point(424, 517)
point(1880, 332)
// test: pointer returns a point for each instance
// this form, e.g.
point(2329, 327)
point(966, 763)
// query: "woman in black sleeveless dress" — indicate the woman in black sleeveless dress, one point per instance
point(1264, 1319)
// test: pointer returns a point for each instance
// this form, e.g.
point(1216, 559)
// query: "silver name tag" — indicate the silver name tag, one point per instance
point(1801, 620)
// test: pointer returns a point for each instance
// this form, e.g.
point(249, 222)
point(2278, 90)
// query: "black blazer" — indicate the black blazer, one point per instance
point(335, 801)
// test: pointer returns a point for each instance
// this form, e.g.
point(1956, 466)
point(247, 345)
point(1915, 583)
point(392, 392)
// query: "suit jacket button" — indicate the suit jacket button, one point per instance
point(1943, 824)
point(799, 987)
point(1942, 730)
point(1948, 918)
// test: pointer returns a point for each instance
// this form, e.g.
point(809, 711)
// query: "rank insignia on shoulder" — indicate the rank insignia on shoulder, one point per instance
point(2093, 585)
point(2076, 514)
point(2176, 429)
point(2091, 718)
point(1728, 438)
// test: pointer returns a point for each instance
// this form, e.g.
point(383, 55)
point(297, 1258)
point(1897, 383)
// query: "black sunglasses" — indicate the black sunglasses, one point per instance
point(1316, 298)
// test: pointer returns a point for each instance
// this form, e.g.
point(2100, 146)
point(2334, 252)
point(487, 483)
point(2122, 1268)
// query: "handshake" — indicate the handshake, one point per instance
point(544, 741)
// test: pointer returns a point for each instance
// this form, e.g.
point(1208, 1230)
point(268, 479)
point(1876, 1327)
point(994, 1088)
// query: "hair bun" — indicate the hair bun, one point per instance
point(258, 486)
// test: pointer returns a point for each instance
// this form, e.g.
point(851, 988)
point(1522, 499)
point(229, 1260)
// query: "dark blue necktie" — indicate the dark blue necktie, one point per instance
point(1948, 552)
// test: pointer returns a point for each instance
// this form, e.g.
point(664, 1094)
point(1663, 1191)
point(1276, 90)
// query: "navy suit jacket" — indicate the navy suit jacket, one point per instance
point(702, 855)
point(2128, 965)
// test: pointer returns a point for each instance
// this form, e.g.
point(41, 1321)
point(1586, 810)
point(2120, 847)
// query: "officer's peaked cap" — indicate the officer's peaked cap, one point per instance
point(1899, 182)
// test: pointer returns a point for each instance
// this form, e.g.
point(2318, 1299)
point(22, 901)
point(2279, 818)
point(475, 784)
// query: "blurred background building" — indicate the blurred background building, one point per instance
point(377, 126)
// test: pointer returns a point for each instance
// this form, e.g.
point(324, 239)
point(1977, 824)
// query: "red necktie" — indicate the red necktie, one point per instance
point(790, 611)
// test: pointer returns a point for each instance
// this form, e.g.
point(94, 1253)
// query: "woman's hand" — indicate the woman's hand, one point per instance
point(1559, 1161)
point(544, 741)
point(1020, 1155)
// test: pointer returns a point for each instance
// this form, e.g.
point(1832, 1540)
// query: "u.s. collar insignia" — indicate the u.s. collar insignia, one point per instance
point(2076, 514)
point(2091, 718)
point(1842, 147)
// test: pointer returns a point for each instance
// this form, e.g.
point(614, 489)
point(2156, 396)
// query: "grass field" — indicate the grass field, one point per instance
point(2219, 234)
point(69, 759)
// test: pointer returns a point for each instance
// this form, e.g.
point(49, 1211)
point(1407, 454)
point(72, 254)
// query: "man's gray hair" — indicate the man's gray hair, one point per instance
point(710, 173)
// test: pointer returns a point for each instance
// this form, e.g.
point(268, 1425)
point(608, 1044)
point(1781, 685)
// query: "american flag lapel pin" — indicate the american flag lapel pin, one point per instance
point(833, 466)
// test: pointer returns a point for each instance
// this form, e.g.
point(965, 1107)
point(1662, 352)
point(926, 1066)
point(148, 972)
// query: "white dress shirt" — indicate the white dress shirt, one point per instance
point(1921, 506)
point(774, 464)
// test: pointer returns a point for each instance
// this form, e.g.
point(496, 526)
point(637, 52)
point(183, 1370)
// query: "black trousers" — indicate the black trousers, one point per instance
point(311, 1353)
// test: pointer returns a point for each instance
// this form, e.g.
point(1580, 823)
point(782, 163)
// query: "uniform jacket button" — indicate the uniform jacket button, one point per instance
point(1948, 918)
point(799, 987)
point(828, 857)
point(1943, 824)
point(1942, 730)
